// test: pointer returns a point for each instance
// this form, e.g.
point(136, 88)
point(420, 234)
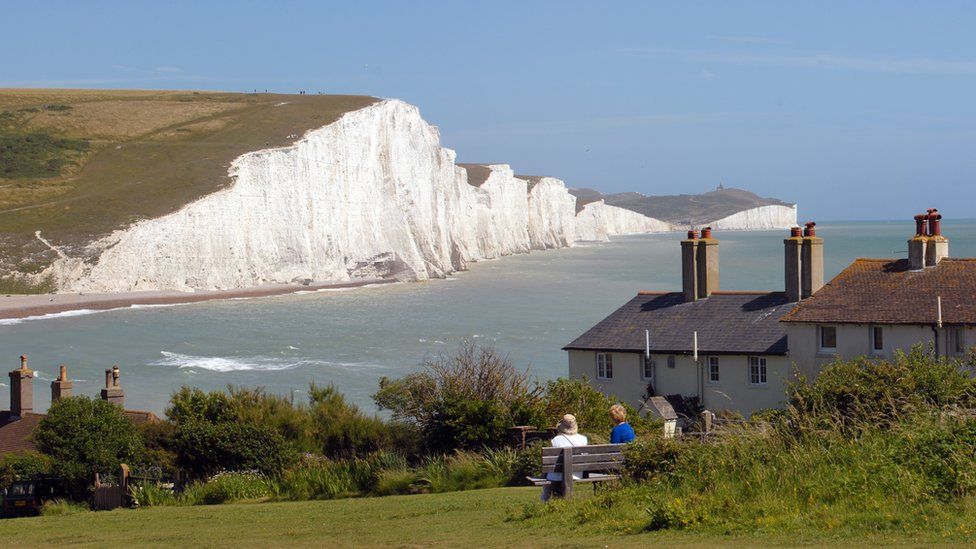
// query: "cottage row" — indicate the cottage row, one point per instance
point(736, 350)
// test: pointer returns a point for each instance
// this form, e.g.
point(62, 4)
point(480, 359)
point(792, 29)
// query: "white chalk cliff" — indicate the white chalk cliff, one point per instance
point(760, 218)
point(371, 195)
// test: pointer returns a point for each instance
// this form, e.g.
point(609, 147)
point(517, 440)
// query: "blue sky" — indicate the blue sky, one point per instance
point(855, 110)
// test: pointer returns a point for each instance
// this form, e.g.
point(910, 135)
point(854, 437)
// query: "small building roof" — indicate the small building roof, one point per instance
point(730, 323)
point(887, 291)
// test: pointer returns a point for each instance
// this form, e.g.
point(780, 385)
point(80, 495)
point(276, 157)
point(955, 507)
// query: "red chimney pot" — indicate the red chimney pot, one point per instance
point(692, 235)
point(935, 222)
point(795, 232)
point(921, 222)
point(810, 229)
point(706, 232)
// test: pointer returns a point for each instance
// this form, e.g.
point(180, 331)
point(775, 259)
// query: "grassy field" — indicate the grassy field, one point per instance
point(78, 164)
point(460, 519)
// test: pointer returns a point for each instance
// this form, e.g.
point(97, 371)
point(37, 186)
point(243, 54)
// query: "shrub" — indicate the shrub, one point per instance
point(62, 507)
point(23, 466)
point(647, 458)
point(85, 436)
point(590, 406)
point(203, 448)
point(342, 430)
point(325, 479)
point(462, 471)
point(465, 401)
point(151, 494)
point(229, 487)
point(396, 481)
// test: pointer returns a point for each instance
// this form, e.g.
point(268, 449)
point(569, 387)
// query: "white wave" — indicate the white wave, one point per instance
point(229, 364)
point(63, 314)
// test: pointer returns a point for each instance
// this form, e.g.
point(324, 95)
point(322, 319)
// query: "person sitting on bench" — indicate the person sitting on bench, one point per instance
point(623, 432)
point(568, 436)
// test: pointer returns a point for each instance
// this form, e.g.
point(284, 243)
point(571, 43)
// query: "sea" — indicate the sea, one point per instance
point(526, 306)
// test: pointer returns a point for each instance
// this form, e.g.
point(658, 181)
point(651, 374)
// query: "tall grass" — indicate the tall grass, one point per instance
point(869, 447)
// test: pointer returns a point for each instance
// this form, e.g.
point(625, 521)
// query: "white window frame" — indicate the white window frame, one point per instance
point(872, 336)
point(672, 361)
point(648, 363)
point(758, 371)
point(820, 339)
point(604, 366)
point(714, 372)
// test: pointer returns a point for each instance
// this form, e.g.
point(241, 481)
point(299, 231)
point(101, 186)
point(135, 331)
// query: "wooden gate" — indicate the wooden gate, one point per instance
point(112, 496)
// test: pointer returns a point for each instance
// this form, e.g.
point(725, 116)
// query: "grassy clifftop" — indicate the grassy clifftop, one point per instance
point(78, 164)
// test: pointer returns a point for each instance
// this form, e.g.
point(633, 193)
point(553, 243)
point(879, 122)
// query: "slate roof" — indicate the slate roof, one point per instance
point(887, 291)
point(727, 323)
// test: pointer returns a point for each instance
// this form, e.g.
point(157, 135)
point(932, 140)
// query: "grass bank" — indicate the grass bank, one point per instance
point(462, 519)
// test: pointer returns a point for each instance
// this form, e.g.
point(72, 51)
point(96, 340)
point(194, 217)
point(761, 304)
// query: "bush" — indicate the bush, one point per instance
point(62, 507)
point(465, 401)
point(462, 471)
point(590, 406)
point(325, 479)
point(204, 448)
point(229, 487)
point(645, 459)
point(342, 430)
point(151, 494)
point(23, 466)
point(85, 436)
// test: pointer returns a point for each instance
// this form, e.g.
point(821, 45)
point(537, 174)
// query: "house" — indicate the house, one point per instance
point(876, 306)
point(737, 350)
point(727, 349)
point(17, 425)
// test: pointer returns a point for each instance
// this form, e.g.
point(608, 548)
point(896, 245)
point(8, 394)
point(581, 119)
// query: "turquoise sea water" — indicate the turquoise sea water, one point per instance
point(528, 306)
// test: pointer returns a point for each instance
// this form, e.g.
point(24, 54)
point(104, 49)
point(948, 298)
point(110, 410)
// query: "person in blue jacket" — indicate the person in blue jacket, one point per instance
point(623, 432)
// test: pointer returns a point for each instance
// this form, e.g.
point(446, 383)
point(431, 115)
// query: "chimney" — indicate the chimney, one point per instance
point(792, 247)
point(113, 391)
point(689, 266)
point(707, 264)
point(938, 245)
point(917, 244)
point(61, 387)
point(21, 390)
point(811, 265)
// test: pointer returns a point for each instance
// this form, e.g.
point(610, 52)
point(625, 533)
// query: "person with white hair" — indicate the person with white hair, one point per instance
point(568, 435)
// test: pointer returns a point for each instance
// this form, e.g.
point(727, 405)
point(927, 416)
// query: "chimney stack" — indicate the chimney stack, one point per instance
point(938, 245)
point(689, 266)
point(793, 246)
point(21, 389)
point(918, 244)
point(707, 264)
point(113, 391)
point(811, 265)
point(61, 387)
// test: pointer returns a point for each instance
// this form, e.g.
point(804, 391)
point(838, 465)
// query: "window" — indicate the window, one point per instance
point(877, 339)
point(647, 367)
point(604, 366)
point(959, 340)
point(713, 369)
point(670, 361)
point(757, 370)
point(828, 338)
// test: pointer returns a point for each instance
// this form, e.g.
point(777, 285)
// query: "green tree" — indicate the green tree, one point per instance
point(84, 436)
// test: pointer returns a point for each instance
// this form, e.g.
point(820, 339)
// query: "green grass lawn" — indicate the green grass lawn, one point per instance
point(458, 519)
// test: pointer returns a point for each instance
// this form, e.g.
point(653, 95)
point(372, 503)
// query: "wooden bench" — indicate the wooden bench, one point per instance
point(598, 463)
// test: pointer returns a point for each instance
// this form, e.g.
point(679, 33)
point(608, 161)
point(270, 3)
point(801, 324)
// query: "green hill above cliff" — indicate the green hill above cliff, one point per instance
point(78, 164)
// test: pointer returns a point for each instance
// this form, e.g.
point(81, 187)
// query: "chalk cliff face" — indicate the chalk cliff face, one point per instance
point(761, 218)
point(370, 195)
point(598, 221)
